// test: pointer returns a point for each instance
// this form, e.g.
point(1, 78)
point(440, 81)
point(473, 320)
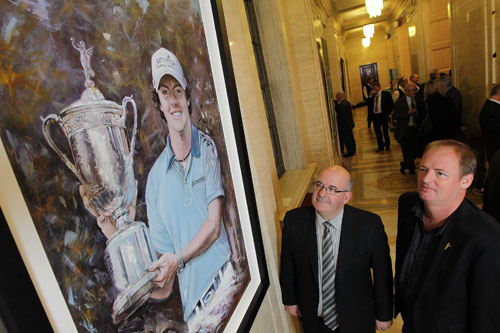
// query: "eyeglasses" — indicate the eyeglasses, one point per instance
point(318, 186)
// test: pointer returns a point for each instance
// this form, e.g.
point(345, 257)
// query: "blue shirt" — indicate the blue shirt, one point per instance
point(177, 206)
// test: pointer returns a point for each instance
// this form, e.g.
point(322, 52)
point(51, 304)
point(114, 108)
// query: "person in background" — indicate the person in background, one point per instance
point(408, 113)
point(367, 88)
point(414, 78)
point(345, 124)
point(489, 120)
point(447, 89)
point(441, 111)
point(380, 104)
point(491, 195)
point(400, 88)
point(336, 272)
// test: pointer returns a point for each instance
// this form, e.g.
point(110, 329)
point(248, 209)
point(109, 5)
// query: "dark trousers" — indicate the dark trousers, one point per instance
point(380, 125)
point(409, 146)
point(346, 137)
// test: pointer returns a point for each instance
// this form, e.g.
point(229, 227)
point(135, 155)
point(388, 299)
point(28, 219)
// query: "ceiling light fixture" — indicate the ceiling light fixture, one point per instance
point(412, 31)
point(374, 7)
point(368, 30)
point(366, 41)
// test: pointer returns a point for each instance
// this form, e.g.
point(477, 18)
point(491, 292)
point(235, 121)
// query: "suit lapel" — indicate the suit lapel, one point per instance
point(346, 244)
point(310, 241)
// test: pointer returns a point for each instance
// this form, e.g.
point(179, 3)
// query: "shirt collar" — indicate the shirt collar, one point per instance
point(418, 210)
point(493, 100)
point(336, 222)
point(195, 145)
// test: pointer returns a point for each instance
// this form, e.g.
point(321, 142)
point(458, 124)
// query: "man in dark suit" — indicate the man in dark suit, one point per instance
point(491, 195)
point(414, 78)
point(367, 88)
point(489, 119)
point(408, 113)
point(380, 104)
point(345, 124)
point(327, 254)
point(447, 249)
point(448, 90)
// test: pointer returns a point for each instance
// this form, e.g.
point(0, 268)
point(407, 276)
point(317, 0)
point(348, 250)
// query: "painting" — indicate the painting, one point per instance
point(128, 189)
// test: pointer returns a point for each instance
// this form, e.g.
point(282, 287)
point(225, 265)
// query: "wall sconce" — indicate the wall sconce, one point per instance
point(412, 31)
point(366, 41)
point(368, 30)
point(374, 7)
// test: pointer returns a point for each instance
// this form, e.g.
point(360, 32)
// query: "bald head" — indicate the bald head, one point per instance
point(332, 191)
point(338, 176)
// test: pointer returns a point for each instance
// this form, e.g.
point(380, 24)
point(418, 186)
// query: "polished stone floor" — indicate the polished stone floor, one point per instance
point(378, 182)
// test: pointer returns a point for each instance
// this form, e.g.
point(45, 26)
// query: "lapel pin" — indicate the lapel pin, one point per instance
point(448, 245)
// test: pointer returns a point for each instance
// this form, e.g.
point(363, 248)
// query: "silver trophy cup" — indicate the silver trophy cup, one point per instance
point(103, 162)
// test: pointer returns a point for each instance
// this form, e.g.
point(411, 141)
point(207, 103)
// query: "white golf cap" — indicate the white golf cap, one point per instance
point(165, 62)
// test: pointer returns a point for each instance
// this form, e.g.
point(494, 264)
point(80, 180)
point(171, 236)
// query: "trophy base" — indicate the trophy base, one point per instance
point(130, 299)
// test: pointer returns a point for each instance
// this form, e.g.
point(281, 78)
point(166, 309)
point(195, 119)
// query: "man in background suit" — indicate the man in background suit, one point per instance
point(414, 78)
point(327, 254)
point(367, 88)
point(447, 249)
point(491, 195)
point(345, 124)
point(408, 113)
point(447, 89)
point(380, 104)
point(489, 119)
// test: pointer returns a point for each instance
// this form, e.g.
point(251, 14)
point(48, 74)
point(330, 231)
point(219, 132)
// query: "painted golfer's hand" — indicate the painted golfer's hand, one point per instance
point(165, 268)
point(104, 221)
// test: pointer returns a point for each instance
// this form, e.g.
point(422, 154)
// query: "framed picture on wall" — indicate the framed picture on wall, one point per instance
point(127, 184)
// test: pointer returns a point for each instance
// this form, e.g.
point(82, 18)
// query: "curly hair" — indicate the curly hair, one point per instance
point(156, 101)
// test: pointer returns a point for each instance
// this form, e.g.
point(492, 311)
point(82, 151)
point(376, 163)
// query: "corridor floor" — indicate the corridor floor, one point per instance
point(378, 182)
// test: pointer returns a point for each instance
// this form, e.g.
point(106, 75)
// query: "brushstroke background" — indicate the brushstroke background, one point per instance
point(41, 73)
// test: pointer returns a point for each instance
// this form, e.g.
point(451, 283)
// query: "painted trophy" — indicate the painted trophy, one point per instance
point(103, 162)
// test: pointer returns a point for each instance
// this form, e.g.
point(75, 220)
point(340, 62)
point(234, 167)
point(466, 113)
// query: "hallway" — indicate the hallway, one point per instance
point(378, 182)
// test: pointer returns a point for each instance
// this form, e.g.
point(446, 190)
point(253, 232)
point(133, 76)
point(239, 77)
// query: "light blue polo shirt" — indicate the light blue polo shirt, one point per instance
point(177, 206)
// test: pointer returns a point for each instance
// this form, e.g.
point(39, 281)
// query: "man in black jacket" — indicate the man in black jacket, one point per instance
point(448, 90)
point(489, 119)
point(447, 249)
point(380, 104)
point(408, 113)
point(347, 299)
point(345, 124)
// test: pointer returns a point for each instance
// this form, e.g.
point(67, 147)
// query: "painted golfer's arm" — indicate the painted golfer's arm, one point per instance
point(166, 266)
point(208, 233)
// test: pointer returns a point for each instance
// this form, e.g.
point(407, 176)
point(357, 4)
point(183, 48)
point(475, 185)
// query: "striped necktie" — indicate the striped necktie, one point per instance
point(328, 278)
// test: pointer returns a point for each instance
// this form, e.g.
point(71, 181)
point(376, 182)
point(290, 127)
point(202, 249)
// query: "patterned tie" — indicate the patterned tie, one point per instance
point(328, 278)
point(412, 116)
point(376, 104)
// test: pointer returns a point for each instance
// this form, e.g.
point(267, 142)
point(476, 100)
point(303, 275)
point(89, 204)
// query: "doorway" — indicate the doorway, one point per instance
point(366, 71)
